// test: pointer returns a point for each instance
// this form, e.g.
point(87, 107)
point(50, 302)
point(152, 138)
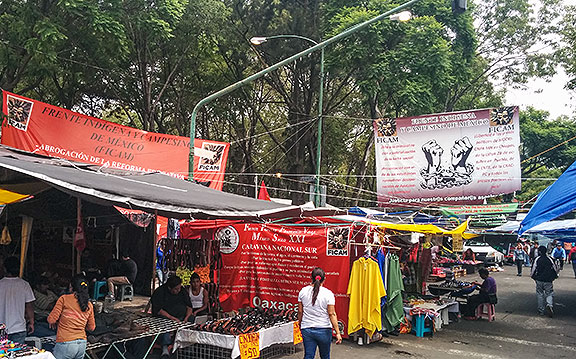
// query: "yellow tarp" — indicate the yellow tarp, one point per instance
point(7, 197)
point(426, 228)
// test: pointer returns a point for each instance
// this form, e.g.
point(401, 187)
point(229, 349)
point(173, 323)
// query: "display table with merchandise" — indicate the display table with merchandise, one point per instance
point(280, 334)
point(9, 349)
point(153, 328)
point(256, 333)
point(436, 310)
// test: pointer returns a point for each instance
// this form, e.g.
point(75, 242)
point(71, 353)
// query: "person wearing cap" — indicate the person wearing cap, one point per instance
point(559, 254)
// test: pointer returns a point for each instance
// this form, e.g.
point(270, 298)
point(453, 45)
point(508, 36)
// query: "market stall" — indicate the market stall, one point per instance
point(263, 333)
point(266, 264)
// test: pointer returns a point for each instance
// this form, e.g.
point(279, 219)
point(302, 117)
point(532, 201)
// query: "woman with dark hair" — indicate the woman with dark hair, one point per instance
point(469, 255)
point(317, 316)
point(74, 314)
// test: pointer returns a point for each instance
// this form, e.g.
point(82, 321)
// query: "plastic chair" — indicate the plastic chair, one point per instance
point(419, 325)
point(97, 294)
point(487, 311)
point(125, 291)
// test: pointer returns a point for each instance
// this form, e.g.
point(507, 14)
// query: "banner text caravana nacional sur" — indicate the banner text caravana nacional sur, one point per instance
point(449, 158)
point(49, 130)
point(266, 265)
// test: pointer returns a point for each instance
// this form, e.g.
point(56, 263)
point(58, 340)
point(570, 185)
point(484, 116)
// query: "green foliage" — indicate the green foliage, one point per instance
point(146, 64)
point(567, 53)
point(542, 159)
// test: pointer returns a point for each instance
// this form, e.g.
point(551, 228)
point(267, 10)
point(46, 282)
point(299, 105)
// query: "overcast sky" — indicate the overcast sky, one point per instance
point(550, 96)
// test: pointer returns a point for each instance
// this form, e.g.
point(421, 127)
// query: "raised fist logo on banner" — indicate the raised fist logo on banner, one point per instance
point(460, 152)
point(433, 153)
point(459, 173)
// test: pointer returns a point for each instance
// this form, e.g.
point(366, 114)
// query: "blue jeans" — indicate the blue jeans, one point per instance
point(19, 337)
point(317, 337)
point(73, 349)
point(161, 276)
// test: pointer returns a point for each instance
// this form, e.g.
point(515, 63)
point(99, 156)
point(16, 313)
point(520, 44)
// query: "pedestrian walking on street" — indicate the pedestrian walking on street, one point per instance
point(519, 257)
point(559, 254)
point(317, 317)
point(544, 272)
point(533, 252)
point(572, 258)
point(527, 260)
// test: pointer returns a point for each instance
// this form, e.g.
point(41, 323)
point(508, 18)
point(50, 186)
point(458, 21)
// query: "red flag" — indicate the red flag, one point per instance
point(79, 237)
point(263, 193)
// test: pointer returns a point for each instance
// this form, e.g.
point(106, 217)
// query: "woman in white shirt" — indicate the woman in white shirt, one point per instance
point(198, 296)
point(317, 317)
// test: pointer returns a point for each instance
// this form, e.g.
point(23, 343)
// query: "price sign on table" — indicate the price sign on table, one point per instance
point(249, 345)
point(297, 334)
point(457, 243)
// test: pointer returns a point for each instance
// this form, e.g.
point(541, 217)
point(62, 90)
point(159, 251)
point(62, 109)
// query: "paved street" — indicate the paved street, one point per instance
point(517, 332)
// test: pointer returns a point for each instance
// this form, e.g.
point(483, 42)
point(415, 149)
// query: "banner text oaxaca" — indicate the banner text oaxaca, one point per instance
point(49, 130)
point(266, 265)
point(449, 158)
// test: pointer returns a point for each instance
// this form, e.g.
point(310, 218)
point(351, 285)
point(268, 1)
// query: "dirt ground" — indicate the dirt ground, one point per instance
point(517, 332)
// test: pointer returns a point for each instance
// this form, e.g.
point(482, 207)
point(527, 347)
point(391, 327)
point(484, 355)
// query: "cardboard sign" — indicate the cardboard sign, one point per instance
point(457, 243)
point(249, 345)
point(297, 333)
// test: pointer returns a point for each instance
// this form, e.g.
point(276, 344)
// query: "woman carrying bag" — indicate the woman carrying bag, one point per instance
point(317, 317)
point(74, 314)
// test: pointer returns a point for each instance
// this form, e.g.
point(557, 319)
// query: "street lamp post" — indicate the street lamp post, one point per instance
point(250, 79)
point(258, 40)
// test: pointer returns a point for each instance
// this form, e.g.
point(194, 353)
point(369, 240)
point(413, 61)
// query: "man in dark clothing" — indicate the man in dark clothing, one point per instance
point(487, 294)
point(127, 275)
point(544, 272)
point(172, 302)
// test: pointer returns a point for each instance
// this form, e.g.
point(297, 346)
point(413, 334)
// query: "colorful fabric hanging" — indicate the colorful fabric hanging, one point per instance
point(365, 289)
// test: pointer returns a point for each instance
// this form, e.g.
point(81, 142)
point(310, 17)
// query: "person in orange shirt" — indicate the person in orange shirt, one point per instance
point(74, 314)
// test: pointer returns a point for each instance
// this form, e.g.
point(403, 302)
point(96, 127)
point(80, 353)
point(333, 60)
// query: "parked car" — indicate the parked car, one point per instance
point(484, 252)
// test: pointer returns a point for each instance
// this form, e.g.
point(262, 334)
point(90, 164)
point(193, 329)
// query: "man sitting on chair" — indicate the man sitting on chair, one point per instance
point(127, 273)
point(487, 295)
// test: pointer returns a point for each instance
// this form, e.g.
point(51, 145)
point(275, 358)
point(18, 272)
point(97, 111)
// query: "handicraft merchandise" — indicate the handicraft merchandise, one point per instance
point(252, 321)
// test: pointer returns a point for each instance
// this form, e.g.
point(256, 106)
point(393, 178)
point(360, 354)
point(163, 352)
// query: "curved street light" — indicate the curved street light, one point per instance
point(258, 40)
point(252, 78)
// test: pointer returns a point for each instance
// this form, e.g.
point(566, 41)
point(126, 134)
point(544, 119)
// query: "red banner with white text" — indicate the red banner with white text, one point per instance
point(267, 265)
point(49, 130)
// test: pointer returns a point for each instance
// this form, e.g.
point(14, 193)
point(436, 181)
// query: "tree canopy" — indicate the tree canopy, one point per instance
point(147, 63)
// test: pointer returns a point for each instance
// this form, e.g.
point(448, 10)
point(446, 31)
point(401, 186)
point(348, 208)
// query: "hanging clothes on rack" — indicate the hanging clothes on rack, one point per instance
point(394, 305)
point(383, 264)
point(365, 289)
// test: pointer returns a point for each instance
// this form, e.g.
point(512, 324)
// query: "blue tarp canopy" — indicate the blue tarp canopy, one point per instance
point(564, 230)
point(558, 199)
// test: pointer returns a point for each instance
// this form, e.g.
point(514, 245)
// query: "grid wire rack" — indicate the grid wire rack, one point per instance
point(205, 351)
